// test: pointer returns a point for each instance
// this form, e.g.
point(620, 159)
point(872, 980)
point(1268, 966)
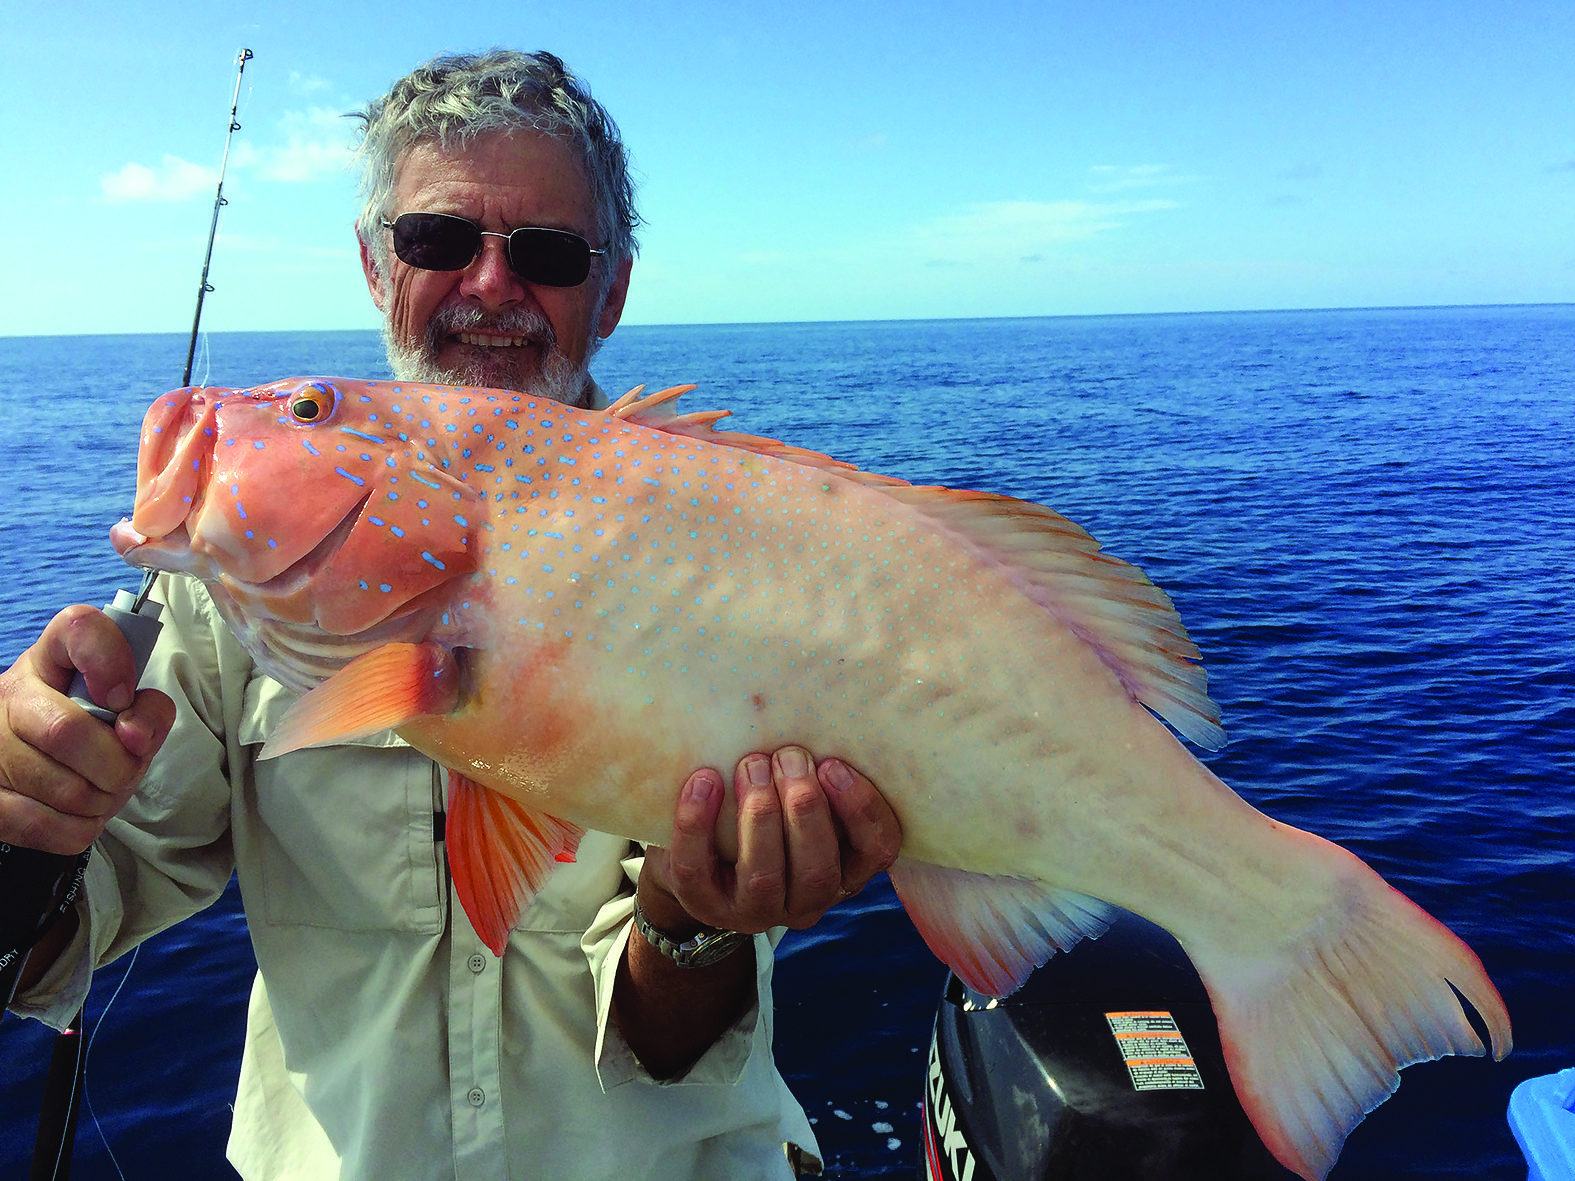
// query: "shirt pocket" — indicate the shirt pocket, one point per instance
point(342, 835)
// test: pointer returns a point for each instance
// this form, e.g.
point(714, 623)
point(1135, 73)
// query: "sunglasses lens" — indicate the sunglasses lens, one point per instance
point(435, 241)
point(553, 258)
point(443, 242)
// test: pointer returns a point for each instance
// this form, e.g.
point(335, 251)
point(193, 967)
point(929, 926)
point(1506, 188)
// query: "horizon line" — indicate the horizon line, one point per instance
point(872, 320)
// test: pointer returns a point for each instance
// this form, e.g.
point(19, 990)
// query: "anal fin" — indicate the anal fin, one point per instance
point(993, 931)
point(500, 853)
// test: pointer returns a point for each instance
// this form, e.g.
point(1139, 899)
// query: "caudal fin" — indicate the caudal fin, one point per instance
point(1315, 1040)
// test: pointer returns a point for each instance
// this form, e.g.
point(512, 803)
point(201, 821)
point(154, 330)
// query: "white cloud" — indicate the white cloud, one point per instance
point(1111, 178)
point(173, 180)
point(316, 145)
point(1026, 227)
point(307, 84)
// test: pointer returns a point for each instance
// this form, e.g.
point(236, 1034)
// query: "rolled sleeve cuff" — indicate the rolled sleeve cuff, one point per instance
point(721, 1065)
point(61, 992)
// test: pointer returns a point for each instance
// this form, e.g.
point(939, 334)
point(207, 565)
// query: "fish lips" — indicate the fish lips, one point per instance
point(172, 462)
point(172, 552)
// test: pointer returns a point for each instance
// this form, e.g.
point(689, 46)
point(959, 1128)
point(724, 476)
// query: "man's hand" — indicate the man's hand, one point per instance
point(808, 837)
point(63, 773)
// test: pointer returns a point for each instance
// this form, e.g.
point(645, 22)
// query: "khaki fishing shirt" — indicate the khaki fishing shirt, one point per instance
point(384, 1040)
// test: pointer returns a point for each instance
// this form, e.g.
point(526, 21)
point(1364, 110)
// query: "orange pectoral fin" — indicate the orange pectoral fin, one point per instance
point(500, 853)
point(384, 688)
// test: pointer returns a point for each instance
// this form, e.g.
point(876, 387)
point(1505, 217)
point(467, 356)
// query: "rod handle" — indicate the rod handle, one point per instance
point(140, 625)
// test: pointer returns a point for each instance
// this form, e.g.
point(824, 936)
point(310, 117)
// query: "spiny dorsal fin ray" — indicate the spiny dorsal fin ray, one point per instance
point(1108, 604)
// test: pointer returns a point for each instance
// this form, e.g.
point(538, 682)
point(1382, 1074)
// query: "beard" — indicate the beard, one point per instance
point(503, 367)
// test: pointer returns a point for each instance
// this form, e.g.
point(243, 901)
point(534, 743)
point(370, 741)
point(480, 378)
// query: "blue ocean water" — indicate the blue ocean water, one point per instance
point(1361, 516)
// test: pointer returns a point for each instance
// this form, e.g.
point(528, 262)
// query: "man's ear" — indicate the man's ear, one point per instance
point(612, 307)
point(374, 277)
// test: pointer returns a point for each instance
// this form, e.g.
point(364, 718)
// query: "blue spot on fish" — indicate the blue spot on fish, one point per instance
point(356, 480)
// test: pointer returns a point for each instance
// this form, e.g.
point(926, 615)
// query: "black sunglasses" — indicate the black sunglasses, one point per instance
point(444, 242)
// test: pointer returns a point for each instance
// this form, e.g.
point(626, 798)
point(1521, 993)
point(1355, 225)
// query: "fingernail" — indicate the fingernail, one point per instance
point(134, 736)
point(758, 768)
point(794, 764)
point(837, 774)
point(119, 697)
point(702, 788)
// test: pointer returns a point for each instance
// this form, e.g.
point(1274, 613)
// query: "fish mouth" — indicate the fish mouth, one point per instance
point(172, 552)
point(172, 463)
point(175, 552)
point(123, 535)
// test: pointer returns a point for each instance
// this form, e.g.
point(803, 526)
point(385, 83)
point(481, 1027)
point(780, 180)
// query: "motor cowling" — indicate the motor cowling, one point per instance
point(1106, 1064)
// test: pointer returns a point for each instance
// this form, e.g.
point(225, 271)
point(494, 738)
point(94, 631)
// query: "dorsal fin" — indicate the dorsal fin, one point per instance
point(651, 410)
point(1108, 604)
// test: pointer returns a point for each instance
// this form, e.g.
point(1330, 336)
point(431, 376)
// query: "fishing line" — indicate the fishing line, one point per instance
point(87, 1095)
point(61, 1167)
point(206, 360)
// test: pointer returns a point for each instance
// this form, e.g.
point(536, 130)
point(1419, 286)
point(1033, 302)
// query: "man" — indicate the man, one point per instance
point(383, 1040)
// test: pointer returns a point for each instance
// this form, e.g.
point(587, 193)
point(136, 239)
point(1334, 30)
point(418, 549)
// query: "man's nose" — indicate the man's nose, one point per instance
point(490, 279)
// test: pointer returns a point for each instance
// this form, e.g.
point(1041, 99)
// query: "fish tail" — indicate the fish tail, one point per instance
point(1315, 1038)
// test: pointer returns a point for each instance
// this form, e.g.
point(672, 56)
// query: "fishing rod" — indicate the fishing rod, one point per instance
point(47, 884)
point(219, 202)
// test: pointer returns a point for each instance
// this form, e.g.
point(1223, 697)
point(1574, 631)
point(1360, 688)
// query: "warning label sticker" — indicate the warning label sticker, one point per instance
point(1156, 1054)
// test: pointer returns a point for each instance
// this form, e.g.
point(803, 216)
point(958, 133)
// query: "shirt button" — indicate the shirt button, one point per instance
point(476, 1096)
point(477, 963)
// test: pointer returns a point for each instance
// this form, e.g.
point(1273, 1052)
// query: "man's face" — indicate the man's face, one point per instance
point(485, 325)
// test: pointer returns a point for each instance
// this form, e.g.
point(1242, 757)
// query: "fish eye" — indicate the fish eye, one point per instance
point(306, 409)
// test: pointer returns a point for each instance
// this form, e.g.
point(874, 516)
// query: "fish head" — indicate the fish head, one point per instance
point(301, 501)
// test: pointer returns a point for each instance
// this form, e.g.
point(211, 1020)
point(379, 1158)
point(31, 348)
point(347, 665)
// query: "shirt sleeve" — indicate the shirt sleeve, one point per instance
point(616, 1064)
point(168, 854)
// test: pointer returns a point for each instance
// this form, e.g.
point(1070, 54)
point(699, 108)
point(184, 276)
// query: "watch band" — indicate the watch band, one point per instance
point(698, 951)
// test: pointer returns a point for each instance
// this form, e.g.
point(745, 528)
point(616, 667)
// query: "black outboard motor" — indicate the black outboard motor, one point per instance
point(1104, 1066)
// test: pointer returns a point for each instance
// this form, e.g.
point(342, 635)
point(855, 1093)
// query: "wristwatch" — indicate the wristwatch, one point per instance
point(698, 951)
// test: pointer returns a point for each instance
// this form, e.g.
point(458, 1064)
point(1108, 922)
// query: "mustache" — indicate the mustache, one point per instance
point(526, 322)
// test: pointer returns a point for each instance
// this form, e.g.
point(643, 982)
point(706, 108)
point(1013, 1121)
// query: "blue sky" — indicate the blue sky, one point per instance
point(828, 161)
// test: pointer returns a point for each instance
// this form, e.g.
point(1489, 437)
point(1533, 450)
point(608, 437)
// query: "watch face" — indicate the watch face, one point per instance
point(707, 949)
point(697, 951)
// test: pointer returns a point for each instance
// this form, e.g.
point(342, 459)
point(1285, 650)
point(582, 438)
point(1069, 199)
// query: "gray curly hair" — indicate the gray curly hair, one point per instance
point(455, 99)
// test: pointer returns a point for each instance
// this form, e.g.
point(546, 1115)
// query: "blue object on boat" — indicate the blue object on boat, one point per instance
point(1542, 1116)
